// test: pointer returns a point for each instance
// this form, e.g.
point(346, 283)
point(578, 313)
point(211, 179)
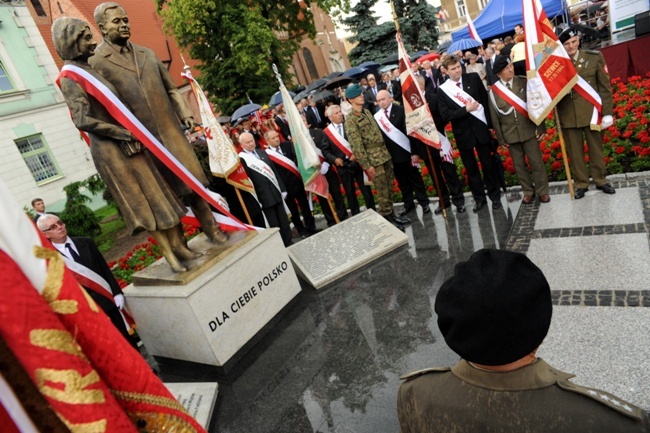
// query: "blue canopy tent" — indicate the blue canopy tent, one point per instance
point(501, 16)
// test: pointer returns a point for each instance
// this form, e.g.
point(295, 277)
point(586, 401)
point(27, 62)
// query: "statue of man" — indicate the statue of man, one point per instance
point(143, 83)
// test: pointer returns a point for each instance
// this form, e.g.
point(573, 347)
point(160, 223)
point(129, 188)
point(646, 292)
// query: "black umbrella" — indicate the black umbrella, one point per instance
point(276, 99)
point(333, 75)
point(338, 82)
point(316, 85)
point(224, 119)
point(390, 59)
point(324, 94)
point(369, 65)
point(244, 111)
point(355, 72)
point(443, 46)
point(301, 95)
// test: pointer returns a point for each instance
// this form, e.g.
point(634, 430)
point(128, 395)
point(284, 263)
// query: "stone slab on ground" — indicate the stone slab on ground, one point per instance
point(197, 397)
point(341, 249)
point(209, 319)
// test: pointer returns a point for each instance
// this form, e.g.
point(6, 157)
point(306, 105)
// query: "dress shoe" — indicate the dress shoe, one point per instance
point(479, 205)
point(496, 204)
point(406, 210)
point(400, 219)
point(544, 198)
point(426, 209)
point(461, 208)
point(528, 199)
point(607, 189)
point(313, 231)
point(439, 210)
point(579, 193)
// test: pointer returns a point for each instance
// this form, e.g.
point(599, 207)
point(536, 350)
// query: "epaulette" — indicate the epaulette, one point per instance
point(419, 373)
point(605, 398)
point(592, 52)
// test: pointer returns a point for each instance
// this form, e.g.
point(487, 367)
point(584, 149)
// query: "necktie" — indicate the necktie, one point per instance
point(459, 85)
point(340, 127)
point(316, 113)
point(278, 150)
point(386, 113)
point(256, 155)
point(508, 86)
point(374, 90)
point(73, 253)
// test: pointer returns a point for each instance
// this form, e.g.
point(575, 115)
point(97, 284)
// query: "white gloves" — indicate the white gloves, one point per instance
point(607, 122)
point(284, 195)
point(119, 301)
point(324, 167)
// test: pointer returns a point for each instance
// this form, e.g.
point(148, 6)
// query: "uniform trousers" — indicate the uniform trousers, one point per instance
point(383, 184)
point(530, 149)
point(575, 138)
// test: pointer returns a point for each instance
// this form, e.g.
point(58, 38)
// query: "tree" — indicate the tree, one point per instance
point(418, 23)
point(237, 42)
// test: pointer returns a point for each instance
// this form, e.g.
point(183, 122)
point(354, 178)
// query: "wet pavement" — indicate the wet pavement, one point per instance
point(331, 361)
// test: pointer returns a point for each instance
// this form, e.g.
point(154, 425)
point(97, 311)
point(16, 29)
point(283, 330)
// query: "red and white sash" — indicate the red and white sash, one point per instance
point(342, 144)
point(392, 132)
point(261, 167)
point(460, 97)
point(128, 120)
point(282, 160)
point(585, 90)
point(509, 96)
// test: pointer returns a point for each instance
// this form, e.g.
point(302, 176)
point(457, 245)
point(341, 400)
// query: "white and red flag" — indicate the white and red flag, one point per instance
point(472, 30)
point(224, 161)
point(419, 122)
point(550, 71)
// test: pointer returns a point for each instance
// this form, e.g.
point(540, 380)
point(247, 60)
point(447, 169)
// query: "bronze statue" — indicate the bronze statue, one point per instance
point(145, 199)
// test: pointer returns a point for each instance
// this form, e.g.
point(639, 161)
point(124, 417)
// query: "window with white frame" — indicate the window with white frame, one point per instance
point(481, 4)
point(38, 158)
point(460, 8)
point(5, 82)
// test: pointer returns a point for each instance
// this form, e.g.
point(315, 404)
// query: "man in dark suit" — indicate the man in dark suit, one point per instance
point(281, 121)
point(430, 75)
point(270, 193)
point(491, 77)
point(315, 118)
point(462, 99)
point(83, 251)
point(402, 149)
point(338, 153)
point(370, 94)
point(283, 154)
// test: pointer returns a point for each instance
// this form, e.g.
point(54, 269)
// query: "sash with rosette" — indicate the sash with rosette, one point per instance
point(460, 97)
point(509, 96)
point(128, 120)
point(342, 144)
point(263, 168)
point(393, 133)
point(95, 282)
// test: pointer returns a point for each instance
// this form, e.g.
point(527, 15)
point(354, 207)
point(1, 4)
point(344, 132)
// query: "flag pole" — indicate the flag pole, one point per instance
point(434, 177)
point(243, 206)
point(564, 157)
point(329, 201)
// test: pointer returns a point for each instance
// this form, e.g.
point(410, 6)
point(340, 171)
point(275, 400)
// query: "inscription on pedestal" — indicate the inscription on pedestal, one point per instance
point(355, 242)
point(197, 398)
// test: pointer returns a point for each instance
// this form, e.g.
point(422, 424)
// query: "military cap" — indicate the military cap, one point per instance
point(495, 309)
point(567, 34)
point(353, 91)
point(500, 62)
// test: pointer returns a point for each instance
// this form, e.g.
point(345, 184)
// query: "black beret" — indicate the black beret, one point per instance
point(496, 308)
point(500, 62)
point(353, 91)
point(567, 34)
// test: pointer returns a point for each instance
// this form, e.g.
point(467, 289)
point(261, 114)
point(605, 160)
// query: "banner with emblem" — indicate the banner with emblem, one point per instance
point(549, 70)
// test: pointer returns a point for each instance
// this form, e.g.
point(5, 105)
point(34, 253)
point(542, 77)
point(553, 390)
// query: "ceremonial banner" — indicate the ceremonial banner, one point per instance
point(419, 122)
point(472, 30)
point(307, 154)
point(224, 161)
point(550, 71)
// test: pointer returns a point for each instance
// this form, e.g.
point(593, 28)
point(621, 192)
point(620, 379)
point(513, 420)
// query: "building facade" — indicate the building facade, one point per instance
point(453, 15)
point(41, 149)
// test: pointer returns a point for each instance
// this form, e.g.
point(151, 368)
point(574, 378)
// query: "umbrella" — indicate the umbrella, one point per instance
point(387, 68)
point(418, 54)
point(354, 72)
point(316, 85)
point(338, 82)
point(276, 99)
point(324, 94)
point(224, 119)
point(244, 111)
point(369, 65)
point(443, 46)
point(463, 44)
point(301, 95)
point(430, 57)
point(333, 75)
point(390, 59)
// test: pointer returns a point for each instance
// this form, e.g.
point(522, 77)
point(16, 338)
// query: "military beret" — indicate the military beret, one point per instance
point(495, 309)
point(353, 91)
point(500, 62)
point(567, 34)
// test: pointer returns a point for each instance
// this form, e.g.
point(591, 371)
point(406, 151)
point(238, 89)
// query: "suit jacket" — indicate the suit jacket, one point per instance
point(313, 120)
point(396, 89)
point(330, 150)
point(284, 127)
point(468, 130)
point(397, 117)
point(490, 76)
point(369, 98)
point(429, 84)
point(574, 110)
point(512, 128)
point(266, 192)
point(292, 183)
point(93, 259)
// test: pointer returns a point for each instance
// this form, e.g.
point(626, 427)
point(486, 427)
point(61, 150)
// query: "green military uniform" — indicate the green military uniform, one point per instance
point(520, 133)
point(368, 146)
point(575, 115)
point(534, 398)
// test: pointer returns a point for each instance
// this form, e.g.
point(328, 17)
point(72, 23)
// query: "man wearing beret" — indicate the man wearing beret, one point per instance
point(576, 115)
point(495, 312)
point(516, 131)
point(368, 146)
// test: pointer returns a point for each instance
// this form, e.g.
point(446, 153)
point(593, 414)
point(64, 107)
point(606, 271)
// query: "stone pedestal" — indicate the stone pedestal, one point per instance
point(331, 254)
point(218, 310)
point(198, 398)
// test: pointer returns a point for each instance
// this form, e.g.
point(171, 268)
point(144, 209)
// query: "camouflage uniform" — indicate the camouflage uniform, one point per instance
point(533, 399)
point(368, 146)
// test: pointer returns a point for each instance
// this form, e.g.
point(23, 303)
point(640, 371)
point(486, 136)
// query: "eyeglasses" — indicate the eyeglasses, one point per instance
point(59, 223)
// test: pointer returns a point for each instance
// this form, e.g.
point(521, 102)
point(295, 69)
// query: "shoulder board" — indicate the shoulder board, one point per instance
point(595, 52)
point(605, 398)
point(419, 373)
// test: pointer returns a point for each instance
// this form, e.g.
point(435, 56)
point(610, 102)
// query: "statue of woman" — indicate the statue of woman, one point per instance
point(145, 199)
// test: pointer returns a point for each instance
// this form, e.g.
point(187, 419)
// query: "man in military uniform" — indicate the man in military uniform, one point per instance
point(517, 132)
point(576, 113)
point(368, 146)
point(494, 312)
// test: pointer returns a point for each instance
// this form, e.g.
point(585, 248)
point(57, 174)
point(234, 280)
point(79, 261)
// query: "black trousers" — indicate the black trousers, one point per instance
point(410, 183)
point(348, 180)
point(452, 188)
point(277, 217)
point(300, 201)
point(339, 203)
point(490, 175)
